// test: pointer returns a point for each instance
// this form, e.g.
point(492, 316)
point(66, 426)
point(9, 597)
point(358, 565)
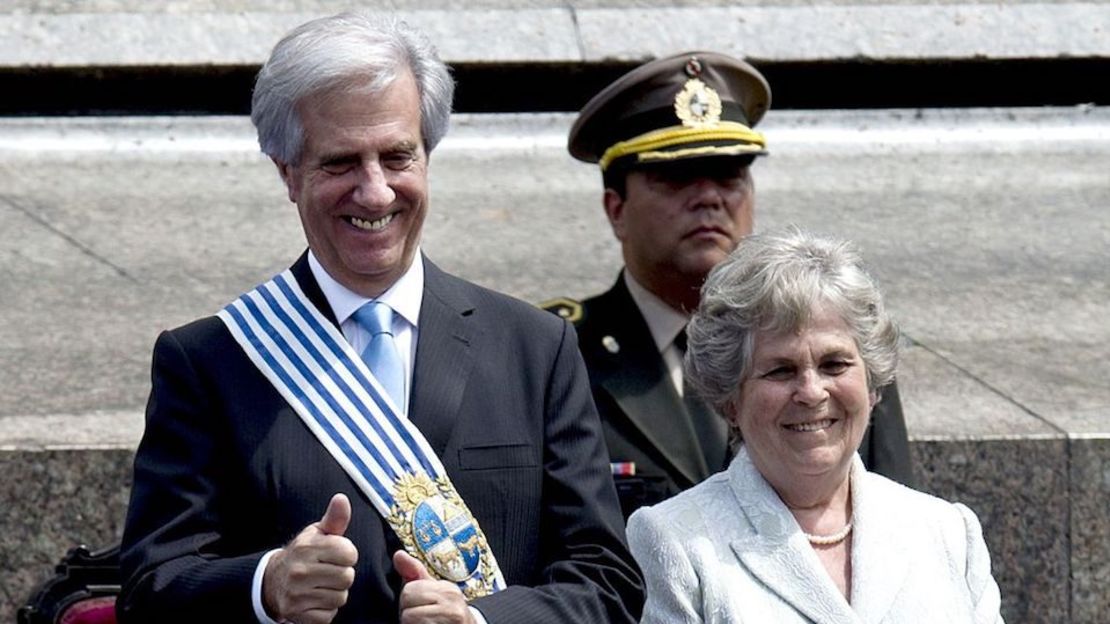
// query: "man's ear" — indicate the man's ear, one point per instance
point(286, 172)
point(614, 210)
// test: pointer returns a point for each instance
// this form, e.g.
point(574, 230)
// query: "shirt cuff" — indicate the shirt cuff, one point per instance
point(256, 589)
point(478, 617)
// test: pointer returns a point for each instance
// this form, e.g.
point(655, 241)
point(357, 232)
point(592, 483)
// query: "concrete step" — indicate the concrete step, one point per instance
point(987, 227)
point(60, 33)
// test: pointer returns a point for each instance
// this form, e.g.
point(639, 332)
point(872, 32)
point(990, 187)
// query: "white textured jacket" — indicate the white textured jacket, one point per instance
point(728, 550)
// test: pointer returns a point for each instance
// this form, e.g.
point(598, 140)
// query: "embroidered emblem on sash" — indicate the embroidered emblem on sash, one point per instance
point(431, 520)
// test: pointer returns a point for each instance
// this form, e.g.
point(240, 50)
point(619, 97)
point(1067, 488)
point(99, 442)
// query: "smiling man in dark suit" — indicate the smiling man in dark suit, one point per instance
point(674, 139)
point(366, 438)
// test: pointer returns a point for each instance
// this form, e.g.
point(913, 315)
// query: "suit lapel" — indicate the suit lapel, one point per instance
point(443, 357)
point(637, 380)
point(777, 553)
point(880, 561)
point(655, 410)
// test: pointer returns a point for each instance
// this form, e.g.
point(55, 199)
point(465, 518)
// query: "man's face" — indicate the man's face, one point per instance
point(361, 185)
point(678, 220)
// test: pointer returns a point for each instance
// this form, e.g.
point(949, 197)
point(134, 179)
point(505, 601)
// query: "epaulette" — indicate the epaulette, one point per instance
point(565, 308)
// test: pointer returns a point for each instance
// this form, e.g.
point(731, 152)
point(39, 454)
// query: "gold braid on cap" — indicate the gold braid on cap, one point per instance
point(647, 145)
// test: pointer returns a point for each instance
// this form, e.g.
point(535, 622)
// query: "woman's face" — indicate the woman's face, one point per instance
point(805, 406)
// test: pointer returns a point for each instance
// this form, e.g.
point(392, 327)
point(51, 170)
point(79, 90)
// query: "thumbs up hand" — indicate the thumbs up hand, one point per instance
point(410, 568)
point(336, 517)
point(425, 600)
point(307, 581)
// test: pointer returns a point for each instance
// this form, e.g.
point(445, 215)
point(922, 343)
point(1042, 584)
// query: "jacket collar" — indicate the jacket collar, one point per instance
point(303, 274)
point(778, 554)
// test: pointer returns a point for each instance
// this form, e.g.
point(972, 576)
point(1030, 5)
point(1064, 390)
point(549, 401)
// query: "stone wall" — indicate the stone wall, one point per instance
point(1041, 501)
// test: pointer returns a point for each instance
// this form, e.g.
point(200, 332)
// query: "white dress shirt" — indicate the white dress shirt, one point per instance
point(403, 297)
point(664, 323)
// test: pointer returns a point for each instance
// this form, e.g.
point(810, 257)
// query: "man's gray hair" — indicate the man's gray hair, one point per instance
point(351, 51)
point(774, 282)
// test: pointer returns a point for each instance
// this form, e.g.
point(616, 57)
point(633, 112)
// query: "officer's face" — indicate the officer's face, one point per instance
point(678, 220)
point(361, 185)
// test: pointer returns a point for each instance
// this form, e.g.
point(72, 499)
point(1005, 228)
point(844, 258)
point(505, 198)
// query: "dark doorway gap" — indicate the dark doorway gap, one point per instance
point(548, 87)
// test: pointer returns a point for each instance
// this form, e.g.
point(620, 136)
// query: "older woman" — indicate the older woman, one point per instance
point(792, 345)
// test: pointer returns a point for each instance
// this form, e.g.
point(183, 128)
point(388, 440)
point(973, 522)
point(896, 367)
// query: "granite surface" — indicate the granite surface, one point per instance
point(1019, 490)
point(1090, 529)
point(51, 501)
point(1049, 555)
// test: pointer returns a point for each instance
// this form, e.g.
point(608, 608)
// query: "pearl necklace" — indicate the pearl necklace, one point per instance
point(829, 540)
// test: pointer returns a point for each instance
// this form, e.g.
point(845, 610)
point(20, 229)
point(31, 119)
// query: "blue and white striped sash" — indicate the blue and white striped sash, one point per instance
point(319, 374)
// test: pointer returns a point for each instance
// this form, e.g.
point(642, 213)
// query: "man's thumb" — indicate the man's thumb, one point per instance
point(410, 568)
point(337, 516)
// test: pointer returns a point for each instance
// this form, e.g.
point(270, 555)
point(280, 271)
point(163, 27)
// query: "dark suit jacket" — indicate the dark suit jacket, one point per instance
point(226, 470)
point(646, 422)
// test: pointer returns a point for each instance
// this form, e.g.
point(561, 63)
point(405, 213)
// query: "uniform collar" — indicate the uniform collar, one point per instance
point(663, 321)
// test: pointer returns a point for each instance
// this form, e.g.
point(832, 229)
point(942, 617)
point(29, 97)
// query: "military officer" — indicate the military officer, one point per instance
point(675, 140)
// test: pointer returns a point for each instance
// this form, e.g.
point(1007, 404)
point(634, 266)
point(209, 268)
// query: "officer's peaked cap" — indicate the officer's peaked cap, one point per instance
point(690, 105)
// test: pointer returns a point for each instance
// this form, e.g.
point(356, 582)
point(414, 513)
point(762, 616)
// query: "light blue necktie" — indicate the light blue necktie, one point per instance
point(381, 354)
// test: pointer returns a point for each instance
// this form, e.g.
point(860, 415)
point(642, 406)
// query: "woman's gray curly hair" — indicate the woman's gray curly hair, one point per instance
point(353, 51)
point(774, 282)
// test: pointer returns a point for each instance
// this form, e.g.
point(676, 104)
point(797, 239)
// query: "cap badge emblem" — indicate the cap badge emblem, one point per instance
point(697, 104)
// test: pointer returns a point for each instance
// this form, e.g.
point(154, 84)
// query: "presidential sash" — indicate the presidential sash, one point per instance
point(318, 373)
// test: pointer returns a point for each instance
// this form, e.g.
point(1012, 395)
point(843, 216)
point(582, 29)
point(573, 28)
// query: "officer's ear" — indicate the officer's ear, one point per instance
point(614, 210)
